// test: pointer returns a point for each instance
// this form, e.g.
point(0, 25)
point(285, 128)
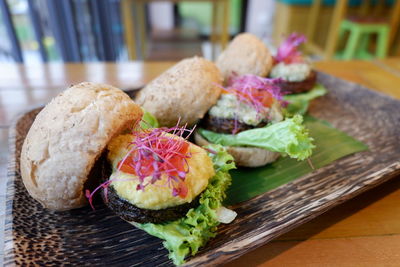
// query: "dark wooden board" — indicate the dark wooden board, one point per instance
point(97, 238)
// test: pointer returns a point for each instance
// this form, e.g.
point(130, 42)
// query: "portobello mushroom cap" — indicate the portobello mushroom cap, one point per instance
point(132, 213)
point(299, 87)
point(227, 126)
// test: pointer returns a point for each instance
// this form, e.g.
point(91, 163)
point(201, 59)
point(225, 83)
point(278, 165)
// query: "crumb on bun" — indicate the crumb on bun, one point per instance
point(66, 139)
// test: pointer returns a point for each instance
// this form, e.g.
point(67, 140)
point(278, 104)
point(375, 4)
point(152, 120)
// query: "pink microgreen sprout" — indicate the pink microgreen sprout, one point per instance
point(255, 91)
point(287, 51)
point(156, 154)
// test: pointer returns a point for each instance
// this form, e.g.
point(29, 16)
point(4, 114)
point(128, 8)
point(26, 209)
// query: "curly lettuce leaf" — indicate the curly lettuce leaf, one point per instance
point(298, 103)
point(148, 120)
point(185, 236)
point(288, 137)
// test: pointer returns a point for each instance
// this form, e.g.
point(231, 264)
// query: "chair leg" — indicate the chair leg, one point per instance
point(351, 44)
point(225, 23)
point(129, 28)
point(363, 52)
point(141, 13)
point(338, 14)
point(382, 43)
point(214, 30)
point(342, 31)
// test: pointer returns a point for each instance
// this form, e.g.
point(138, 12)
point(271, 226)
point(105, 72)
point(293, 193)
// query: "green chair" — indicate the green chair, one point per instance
point(359, 36)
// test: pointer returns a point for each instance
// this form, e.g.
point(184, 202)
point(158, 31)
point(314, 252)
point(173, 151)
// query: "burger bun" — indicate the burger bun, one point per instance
point(67, 138)
point(246, 54)
point(183, 93)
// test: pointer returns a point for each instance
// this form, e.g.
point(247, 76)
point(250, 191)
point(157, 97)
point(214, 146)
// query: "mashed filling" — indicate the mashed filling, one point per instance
point(229, 107)
point(295, 72)
point(158, 195)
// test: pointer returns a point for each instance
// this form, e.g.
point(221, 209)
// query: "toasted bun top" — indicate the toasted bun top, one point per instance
point(246, 54)
point(185, 91)
point(66, 139)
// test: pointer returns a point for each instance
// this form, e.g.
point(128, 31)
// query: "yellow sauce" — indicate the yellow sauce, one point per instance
point(158, 196)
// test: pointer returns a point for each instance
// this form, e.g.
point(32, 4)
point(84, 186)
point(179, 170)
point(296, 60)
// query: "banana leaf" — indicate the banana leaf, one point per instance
point(331, 144)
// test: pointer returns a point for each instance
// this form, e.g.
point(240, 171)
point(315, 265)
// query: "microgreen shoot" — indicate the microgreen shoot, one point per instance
point(287, 51)
point(254, 91)
point(156, 154)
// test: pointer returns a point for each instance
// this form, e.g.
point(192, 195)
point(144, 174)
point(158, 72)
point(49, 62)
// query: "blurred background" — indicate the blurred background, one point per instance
point(121, 30)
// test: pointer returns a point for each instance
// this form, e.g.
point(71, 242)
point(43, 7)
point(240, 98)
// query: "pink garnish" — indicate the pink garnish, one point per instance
point(153, 154)
point(254, 91)
point(287, 51)
point(251, 84)
point(89, 195)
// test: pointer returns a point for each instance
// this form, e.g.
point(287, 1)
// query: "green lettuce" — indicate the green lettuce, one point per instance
point(148, 120)
point(288, 137)
point(185, 236)
point(298, 103)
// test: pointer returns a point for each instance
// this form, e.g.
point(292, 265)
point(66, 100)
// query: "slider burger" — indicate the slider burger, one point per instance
point(247, 54)
point(168, 187)
point(154, 178)
point(248, 121)
point(296, 73)
point(163, 184)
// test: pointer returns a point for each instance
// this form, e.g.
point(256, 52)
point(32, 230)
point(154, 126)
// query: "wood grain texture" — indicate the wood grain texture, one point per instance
point(86, 237)
point(338, 237)
point(325, 253)
point(367, 73)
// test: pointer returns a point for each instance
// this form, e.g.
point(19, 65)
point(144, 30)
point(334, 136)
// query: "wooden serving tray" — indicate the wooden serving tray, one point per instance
point(85, 237)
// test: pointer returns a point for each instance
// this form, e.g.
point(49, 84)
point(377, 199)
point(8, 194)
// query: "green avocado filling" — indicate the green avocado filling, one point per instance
point(230, 107)
point(185, 236)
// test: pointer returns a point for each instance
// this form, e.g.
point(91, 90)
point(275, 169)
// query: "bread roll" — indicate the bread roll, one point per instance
point(244, 156)
point(66, 139)
point(246, 54)
point(185, 91)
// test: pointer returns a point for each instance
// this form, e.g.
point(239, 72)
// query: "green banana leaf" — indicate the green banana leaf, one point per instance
point(331, 144)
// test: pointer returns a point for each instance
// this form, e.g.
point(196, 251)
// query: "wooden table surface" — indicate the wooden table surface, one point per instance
point(364, 231)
